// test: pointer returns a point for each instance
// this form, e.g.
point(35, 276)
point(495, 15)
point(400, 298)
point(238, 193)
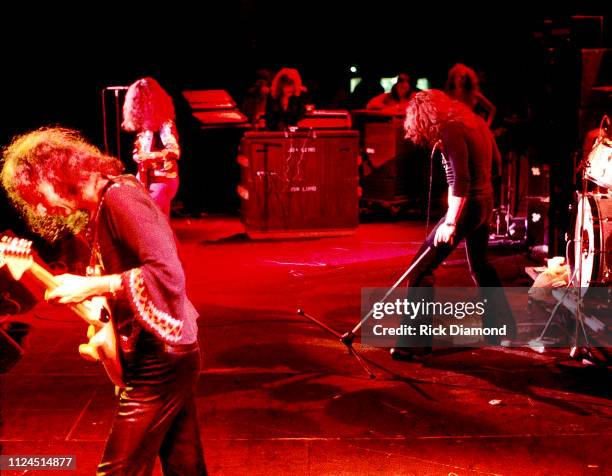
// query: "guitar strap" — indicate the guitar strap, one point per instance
point(96, 266)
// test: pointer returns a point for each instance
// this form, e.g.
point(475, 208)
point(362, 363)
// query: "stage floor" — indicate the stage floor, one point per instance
point(278, 396)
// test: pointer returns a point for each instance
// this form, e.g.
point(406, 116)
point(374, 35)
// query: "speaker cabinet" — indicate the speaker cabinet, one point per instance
point(299, 183)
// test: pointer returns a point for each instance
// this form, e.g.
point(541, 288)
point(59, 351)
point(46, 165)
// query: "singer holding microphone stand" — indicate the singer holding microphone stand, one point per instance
point(471, 160)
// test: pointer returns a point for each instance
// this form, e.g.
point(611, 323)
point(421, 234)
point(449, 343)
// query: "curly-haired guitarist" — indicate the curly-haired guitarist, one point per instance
point(60, 182)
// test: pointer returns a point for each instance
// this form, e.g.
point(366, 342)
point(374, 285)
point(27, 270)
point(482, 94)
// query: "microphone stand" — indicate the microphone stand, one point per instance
point(116, 90)
point(104, 126)
point(340, 337)
point(348, 337)
point(117, 122)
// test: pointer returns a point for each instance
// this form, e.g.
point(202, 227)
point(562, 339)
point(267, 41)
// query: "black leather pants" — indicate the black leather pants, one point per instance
point(157, 413)
point(473, 227)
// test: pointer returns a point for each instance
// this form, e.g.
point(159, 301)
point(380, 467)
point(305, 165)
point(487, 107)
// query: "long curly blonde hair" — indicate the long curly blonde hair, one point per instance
point(428, 111)
point(54, 156)
point(146, 106)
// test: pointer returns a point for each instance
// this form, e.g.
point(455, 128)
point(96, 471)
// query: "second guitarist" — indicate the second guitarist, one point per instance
point(149, 112)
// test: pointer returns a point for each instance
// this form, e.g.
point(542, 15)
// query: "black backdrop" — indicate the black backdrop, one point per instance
point(55, 62)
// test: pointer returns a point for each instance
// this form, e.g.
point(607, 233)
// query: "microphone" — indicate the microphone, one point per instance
point(116, 88)
point(436, 146)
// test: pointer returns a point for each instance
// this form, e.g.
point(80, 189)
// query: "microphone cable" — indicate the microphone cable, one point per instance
point(431, 160)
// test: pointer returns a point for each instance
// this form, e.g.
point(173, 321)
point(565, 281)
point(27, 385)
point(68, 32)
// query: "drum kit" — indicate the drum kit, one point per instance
point(591, 260)
point(589, 247)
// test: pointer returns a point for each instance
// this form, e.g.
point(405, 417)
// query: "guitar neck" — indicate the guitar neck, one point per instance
point(49, 281)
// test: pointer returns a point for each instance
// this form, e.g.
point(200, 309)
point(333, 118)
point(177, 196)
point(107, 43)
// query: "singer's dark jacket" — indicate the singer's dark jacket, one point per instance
point(137, 242)
point(471, 159)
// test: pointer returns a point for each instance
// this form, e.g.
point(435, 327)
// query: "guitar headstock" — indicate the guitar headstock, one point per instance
point(16, 254)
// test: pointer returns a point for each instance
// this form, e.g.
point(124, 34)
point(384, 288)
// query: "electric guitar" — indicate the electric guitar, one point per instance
point(16, 255)
point(148, 162)
point(145, 170)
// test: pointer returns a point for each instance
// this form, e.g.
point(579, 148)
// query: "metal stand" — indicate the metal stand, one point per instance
point(116, 90)
point(576, 351)
point(339, 336)
point(506, 213)
point(348, 337)
point(505, 208)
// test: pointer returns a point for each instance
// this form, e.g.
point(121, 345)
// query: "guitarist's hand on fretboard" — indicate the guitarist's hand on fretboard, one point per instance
point(144, 158)
point(84, 296)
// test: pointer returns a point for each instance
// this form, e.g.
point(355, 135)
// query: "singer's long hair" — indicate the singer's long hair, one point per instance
point(56, 157)
point(284, 77)
point(146, 106)
point(429, 111)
